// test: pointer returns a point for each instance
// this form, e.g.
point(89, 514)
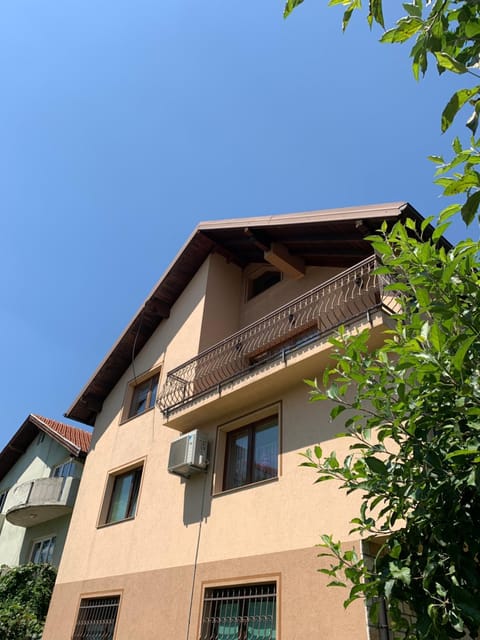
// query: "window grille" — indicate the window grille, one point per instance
point(96, 618)
point(246, 612)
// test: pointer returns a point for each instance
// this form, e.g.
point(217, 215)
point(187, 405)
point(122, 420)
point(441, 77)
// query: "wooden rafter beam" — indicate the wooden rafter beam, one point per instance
point(280, 257)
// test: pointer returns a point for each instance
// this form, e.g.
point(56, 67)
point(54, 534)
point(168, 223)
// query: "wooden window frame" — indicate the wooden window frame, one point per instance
point(137, 468)
point(150, 378)
point(251, 431)
point(259, 415)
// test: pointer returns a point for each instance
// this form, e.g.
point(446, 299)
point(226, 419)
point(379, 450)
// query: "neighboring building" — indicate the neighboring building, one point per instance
point(222, 344)
point(40, 470)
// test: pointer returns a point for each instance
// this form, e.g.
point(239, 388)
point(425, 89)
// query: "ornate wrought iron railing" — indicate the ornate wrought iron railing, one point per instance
point(337, 301)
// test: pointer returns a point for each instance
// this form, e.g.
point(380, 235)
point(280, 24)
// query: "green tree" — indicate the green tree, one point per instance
point(411, 409)
point(446, 32)
point(25, 594)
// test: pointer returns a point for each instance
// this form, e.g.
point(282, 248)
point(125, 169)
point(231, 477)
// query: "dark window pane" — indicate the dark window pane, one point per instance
point(265, 457)
point(43, 551)
point(123, 502)
point(237, 459)
point(252, 454)
point(144, 396)
point(264, 282)
point(153, 392)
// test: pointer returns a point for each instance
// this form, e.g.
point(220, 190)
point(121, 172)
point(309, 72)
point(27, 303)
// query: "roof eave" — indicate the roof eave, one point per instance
point(87, 405)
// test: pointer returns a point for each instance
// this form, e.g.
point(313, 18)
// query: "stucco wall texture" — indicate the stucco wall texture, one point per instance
point(260, 532)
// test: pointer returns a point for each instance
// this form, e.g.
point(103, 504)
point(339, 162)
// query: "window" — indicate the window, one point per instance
point(64, 470)
point(262, 280)
point(122, 492)
point(3, 498)
point(246, 612)
point(42, 550)
point(143, 396)
point(251, 453)
point(96, 618)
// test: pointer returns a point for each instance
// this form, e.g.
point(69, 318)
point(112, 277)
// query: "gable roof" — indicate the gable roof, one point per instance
point(333, 237)
point(75, 440)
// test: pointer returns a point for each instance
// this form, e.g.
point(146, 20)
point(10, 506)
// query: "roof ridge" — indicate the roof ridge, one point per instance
point(77, 437)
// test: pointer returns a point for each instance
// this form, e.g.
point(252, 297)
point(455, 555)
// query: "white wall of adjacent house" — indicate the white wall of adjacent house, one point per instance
point(16, 542)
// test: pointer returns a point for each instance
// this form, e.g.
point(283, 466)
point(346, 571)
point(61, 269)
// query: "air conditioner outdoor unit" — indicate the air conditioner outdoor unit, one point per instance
point(188, 454)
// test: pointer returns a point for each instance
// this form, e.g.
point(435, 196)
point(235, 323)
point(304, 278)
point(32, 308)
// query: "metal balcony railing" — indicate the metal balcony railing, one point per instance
point(337, 301)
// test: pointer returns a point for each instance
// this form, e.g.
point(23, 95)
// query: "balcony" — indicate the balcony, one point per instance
point(41, 500)
point(291, 333)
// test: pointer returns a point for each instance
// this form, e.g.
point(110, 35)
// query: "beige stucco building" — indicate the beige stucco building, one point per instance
point(222, 345)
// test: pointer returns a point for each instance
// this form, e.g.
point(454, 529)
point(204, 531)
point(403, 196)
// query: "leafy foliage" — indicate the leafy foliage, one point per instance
point(25, 594)
point(446, 32)
point(412, 414)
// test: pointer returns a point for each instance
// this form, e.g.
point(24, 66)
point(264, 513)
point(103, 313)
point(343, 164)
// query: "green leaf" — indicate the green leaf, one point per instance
point(462, 452)
point(377, 466)
point(459, 357)
point(456, 102)
point(470, 208)
point(290, 6)
point(472, 122)
point(405, 29)
point(446, 61)
point(472, 29)
point(413, 10)
point(403, 574)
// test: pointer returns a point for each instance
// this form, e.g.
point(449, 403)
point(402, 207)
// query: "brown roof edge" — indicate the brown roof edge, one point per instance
point(75, 412)
point(320, 215)
point(192, 254)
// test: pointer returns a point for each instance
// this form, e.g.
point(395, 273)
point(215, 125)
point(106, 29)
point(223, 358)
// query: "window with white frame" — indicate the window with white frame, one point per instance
point(64, 470)
point(42, 550)
point(3, 499)
point(244, 612)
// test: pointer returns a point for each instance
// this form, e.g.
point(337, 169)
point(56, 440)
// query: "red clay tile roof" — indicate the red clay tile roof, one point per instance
point(80, 438)
point(75, 440)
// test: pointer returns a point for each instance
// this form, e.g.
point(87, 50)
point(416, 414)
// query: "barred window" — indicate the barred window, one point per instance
point(96, 618)
point(246, 612)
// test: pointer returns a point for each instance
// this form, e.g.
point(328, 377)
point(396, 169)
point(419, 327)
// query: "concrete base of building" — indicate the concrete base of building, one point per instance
point(166, 603)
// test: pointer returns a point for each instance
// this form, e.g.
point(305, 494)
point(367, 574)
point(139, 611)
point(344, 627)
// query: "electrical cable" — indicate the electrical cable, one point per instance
point(196, 556)
point(135, 344)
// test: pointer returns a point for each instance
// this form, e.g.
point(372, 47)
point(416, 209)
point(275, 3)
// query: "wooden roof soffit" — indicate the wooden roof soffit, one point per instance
point(92, 403)
point(158, 308)
point(277, 254)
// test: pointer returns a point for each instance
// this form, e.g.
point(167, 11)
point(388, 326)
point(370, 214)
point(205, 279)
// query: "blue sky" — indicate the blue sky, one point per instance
point(123, 124)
